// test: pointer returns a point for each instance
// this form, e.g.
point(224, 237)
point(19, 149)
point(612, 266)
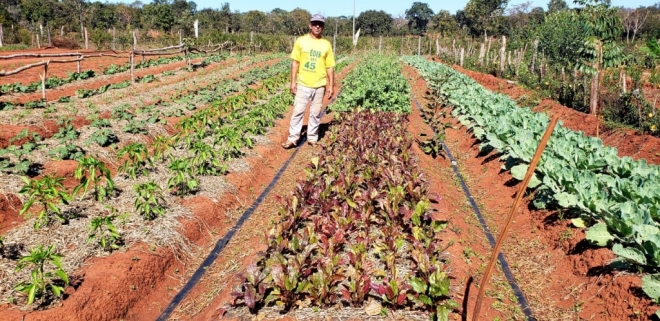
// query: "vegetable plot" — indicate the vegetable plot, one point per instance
point(619, 198)
point(358, 227)
point(376, 83)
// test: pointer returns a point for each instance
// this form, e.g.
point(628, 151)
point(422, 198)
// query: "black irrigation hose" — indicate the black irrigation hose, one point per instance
point(491, 239)
point(220, 245)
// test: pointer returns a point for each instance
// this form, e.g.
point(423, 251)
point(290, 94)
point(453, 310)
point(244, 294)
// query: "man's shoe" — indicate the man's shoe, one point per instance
point(288, 145)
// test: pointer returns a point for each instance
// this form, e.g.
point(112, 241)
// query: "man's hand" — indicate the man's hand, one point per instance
point(329, 91)
point(293, 88)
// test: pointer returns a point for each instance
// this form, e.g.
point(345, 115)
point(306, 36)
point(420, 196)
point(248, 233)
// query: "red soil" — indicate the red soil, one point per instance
point(628, 142)
point(114, 287)
point(579, 279)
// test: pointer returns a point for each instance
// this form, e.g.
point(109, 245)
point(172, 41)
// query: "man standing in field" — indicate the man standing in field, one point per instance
point(312, 77)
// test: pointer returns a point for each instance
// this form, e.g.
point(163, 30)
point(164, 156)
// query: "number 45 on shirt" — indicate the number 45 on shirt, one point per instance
point(310, 65)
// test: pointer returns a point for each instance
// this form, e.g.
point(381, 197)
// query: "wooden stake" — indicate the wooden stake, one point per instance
point(1, 35)
point(50, 42)
point(132, 66)
point(482, 53)
point(536, 48)
point(86, 39)
point(134, 40)
point(43, 81)
point(503, 54)
point(62, 31)
point(38, 42)
point(462, 55)
point(380, 44)
point(512, 211)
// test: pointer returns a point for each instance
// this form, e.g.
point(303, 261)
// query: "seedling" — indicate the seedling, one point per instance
point(48, 192)
point(42, 281)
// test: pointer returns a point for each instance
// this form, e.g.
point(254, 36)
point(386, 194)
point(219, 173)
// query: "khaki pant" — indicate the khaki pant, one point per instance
point(303, 96)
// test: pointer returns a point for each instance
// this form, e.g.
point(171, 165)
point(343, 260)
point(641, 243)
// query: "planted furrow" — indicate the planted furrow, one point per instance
point(616, 198)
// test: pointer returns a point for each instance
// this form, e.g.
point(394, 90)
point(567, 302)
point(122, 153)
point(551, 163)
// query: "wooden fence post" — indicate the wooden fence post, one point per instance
point(437, 47)
point(134, 40)
point(1, 35)
point(43, 81)
point(86, 39)
point(380, 45)
point(482, 52)
point(536, 47)
point(503, 54)
point(180, 37)
point(132, 65)
point(38, 42)
point(462, 55)
point(62, 31)
point(624, 85)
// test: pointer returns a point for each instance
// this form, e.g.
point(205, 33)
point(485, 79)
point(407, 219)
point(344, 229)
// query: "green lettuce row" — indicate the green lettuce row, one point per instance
point(618, 197)
point(375, 83)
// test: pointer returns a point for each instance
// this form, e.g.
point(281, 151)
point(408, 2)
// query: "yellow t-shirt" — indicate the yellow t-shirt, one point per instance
point(314, 56)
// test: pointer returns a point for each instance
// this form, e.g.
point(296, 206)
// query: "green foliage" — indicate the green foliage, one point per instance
point(66, 151)
point(418, 17)
point(42, 281)
point(600, 49)
point(377, 83)
point(103, 137)
point(48, 192)
point(137, 156)
point(105, 232)
point(183, 180)
point(374, 23)
point(149, 201)
point(93, 171)
point(561, 36)
point(578, 172)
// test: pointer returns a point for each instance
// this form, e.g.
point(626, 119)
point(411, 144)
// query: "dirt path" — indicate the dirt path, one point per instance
point(563, 278)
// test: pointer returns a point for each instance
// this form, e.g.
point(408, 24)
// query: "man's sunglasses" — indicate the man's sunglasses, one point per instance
point(317, 24)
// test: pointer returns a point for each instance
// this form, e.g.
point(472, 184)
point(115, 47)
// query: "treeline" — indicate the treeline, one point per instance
point(479, 18)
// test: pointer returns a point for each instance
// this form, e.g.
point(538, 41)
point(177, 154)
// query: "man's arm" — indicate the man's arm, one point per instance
point(330, 86)
point(294, 72)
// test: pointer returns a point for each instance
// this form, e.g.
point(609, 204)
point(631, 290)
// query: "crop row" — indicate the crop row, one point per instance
point(205, 143)
point(16, 159)
point(376, 83)
point(95, 182)
point(54, 81)
point(359, 226)
point(617, 197)
point(85, 92)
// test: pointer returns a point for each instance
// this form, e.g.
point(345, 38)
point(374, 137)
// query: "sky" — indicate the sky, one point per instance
point(345, 7)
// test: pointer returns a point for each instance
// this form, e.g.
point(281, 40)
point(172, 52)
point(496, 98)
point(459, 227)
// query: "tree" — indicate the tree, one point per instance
point(599, 49)
point(557, 5)
point(297, 22)
point(561, 36)
point(102, 15)
point(374, 23)
point(158, 16)
point(633, 20)
point(418, 17)
point(481, 13)
point(254, 20)
point(444, 23)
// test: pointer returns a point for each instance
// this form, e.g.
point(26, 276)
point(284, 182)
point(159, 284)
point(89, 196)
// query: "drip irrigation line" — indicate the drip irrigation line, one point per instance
point(220, 245)
point(491, 239)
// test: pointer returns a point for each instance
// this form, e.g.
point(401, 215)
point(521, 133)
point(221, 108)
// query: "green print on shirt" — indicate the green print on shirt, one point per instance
point(310, 65)
point(314, 53)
